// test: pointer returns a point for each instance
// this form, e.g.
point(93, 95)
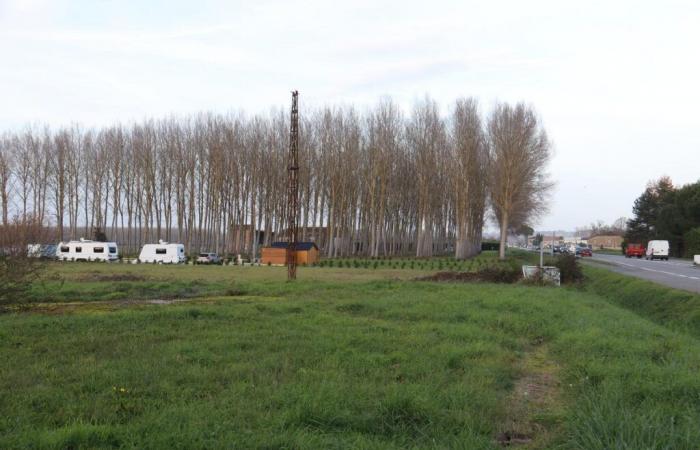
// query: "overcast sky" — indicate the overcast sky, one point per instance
point(616, 83)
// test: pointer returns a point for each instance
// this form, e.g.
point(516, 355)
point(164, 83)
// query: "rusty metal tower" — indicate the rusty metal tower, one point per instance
point(293, 190)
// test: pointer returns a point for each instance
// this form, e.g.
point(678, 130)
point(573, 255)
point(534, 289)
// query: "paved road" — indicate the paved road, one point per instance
point(676, 273)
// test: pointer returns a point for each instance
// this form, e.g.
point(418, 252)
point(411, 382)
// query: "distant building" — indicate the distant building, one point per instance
point(610, 241)
point(575, 240)
point(276, 254)
point(547, 241)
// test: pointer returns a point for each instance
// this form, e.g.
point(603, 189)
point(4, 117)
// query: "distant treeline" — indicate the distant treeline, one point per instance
point(372, 183)
point(666, 212)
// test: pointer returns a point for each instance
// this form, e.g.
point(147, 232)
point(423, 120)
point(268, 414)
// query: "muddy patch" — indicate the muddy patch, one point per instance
point(463, 277)
point(109, 277)
point(486, 274)
point(534, 403)
point(107, 305)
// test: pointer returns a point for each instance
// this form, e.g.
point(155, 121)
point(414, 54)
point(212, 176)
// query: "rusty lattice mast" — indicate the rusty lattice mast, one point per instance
point(293, 190)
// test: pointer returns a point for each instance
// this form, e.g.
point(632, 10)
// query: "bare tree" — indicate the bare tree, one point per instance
point(5, 175)
point(469, 177)
point(17, 270)
point(427, 144)
point(372, 183)
point(519, 151)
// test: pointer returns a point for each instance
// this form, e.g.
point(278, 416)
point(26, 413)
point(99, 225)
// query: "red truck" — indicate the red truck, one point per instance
point(637, 250)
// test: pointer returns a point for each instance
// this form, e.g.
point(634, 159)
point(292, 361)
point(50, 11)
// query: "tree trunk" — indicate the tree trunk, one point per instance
point(504, 236)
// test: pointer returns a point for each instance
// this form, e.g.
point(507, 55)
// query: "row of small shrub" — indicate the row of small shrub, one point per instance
point(420, 264)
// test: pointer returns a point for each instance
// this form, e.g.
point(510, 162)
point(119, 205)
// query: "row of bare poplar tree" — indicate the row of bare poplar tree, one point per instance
point(373, 183)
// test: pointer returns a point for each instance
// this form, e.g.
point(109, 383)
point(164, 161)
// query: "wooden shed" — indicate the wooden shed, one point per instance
point(307, 253)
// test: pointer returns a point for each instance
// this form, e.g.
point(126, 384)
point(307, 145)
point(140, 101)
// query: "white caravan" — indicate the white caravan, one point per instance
point(163, 253)
point(657, 250)
point(86, 250)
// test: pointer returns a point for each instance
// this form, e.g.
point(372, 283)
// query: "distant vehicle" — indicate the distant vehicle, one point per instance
point(696, 260)
point(584, 251)
point(556, 249)
point(86, 250)
point(42, 251)
point(163, 253)
point(657, 250)
point(635, 250)
point(208, 258)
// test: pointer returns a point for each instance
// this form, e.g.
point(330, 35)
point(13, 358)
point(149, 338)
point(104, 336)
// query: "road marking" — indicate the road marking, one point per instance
point(628, 265)
point(667, 273)
point(680, 275)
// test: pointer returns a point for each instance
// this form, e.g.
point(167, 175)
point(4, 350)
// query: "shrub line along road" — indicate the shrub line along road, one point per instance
point(676, 273)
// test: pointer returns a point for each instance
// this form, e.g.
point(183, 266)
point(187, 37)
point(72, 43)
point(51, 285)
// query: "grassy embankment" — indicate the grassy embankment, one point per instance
point(361, 358)
point(676, 309)
point(607, 251)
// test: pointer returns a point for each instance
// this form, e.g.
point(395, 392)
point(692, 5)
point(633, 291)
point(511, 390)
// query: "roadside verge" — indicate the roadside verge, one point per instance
point(670, 307)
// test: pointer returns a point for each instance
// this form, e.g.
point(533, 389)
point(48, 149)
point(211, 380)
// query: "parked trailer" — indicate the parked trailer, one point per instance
point(86, 250)
point(163, 253)
point(696, 260)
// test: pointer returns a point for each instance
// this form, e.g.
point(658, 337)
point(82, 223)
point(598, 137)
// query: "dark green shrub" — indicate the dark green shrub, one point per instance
point(490, 245)
point(569, 269)
point(692, 242)
point(17, 273)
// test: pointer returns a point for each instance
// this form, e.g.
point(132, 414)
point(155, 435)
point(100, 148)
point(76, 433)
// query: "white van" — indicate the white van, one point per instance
point(86, 250)
point(657, 250)
point(163, 253)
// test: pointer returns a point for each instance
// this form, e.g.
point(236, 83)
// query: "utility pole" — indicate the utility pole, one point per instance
point(542, 252)
point(293, 190)
point(553, 237)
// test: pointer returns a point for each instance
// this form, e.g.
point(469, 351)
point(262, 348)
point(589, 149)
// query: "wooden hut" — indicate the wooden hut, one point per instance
point(307, 253)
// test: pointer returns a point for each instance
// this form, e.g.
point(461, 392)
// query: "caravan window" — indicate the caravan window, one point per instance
point(113, 249)
point(182, 250)
point(161, 251)
point(98, 249)
point(65, 249)
point(78, 249)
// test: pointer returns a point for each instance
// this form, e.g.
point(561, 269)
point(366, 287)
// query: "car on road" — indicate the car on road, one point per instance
point(635, 250)
point(696, 260)
point(657, 250)
point(208, 258)
point(584, 251)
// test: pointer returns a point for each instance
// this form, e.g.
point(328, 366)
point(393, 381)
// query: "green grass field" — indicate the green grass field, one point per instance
point(351, 357)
